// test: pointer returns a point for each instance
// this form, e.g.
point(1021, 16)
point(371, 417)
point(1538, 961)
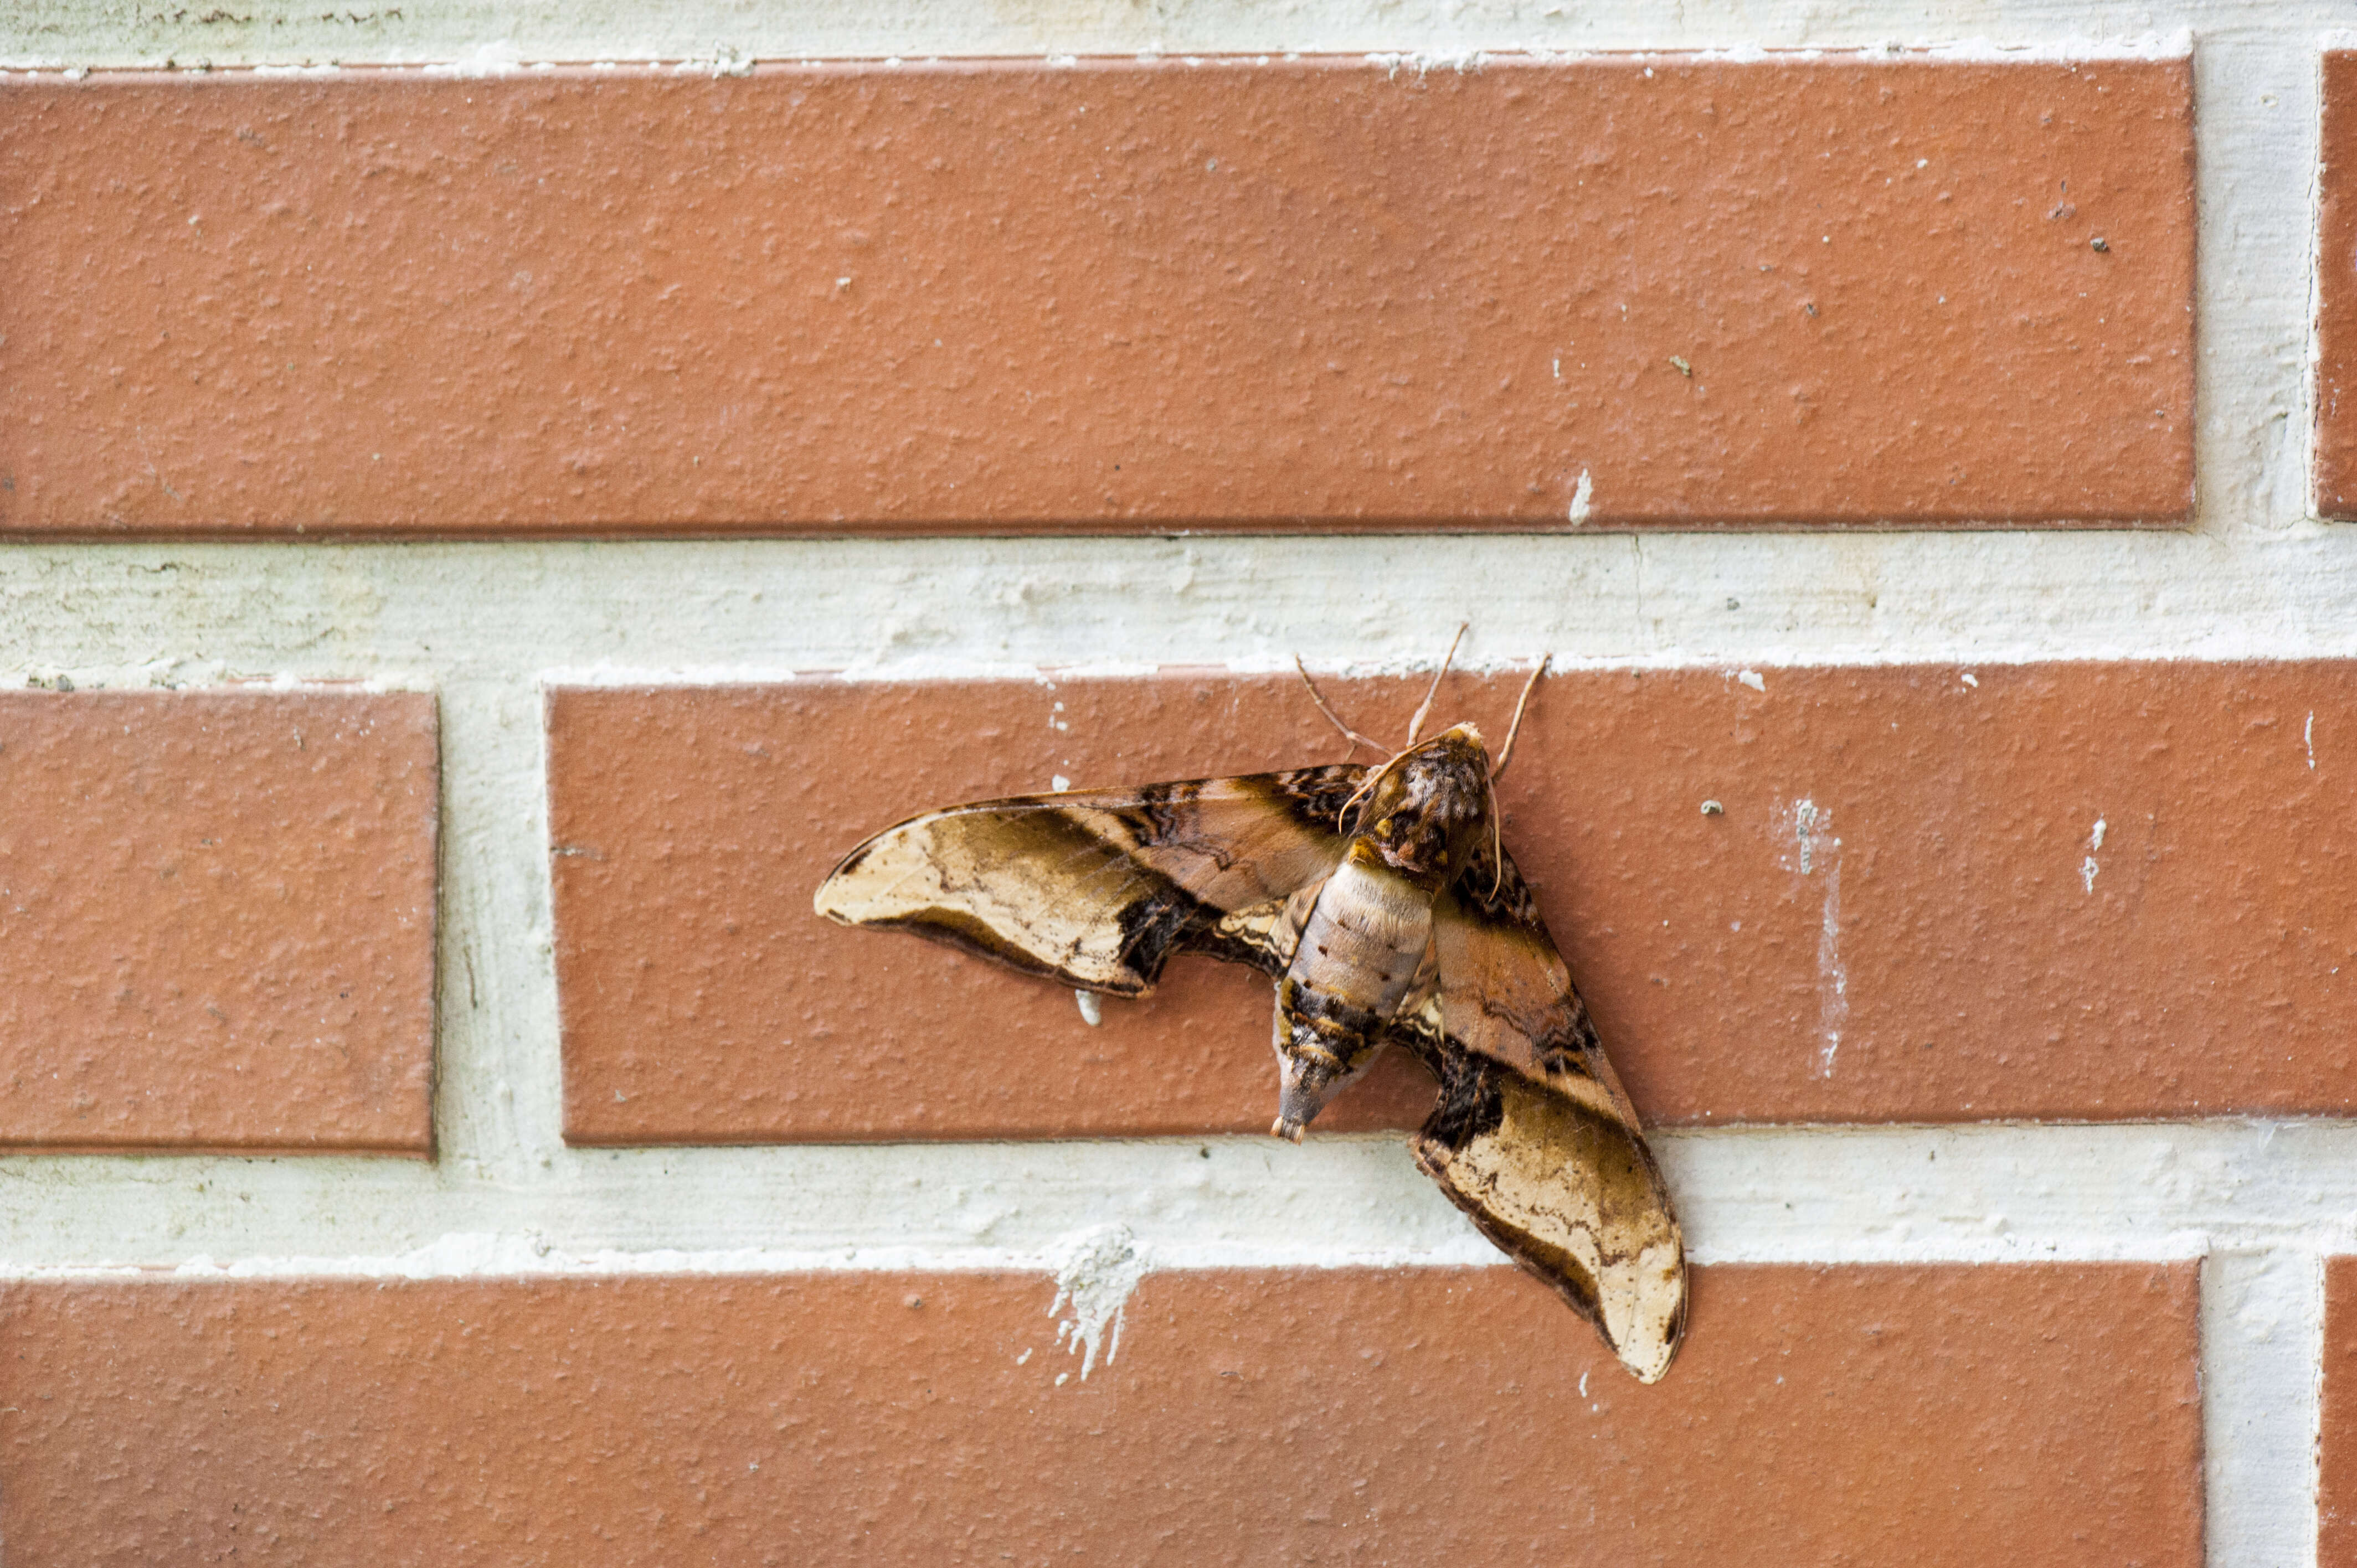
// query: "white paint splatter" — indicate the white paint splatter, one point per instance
point(1095, 1273)
point(1583, 1385)
point(2087, 868)
point(1091, 1013)
point(499, 58)
point(1752, 677)
point(1059, 783)
point(1581, 495)
point(1809, 824)
point(2309, 736)
point(1832, 978)
point(1812, 840)
point(1969, 679)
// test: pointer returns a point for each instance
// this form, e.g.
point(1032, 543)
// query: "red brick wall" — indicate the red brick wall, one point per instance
point(476, 545)
point(1132, 294)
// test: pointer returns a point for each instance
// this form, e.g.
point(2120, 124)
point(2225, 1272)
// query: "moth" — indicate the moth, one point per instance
point(1381, 900)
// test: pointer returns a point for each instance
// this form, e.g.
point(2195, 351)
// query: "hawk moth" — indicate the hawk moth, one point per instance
point(1382, 902)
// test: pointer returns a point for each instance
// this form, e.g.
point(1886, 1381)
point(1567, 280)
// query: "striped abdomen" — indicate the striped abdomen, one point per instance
point(1361, 963)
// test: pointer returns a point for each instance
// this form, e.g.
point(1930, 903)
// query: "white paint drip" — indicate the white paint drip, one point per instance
point(1582, 492)
point(2308, 736)
point(1833, 979)
point(1808, 822)
point(1969, 679)
point(1095, 1273)
point(1752, 677)
point(2088, 867)
point(1092, 1014)
point(1812, 840)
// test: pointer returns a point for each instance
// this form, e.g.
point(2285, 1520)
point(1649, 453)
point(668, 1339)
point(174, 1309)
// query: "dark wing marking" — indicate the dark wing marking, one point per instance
point(1098, 887)
point(1533, 1136)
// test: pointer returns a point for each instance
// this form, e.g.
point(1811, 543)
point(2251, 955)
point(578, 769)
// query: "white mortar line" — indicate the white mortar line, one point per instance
point(424, 614)
point(1967, 1194)
point(721, 36)
point(499, 1092)
point(2262, 1338)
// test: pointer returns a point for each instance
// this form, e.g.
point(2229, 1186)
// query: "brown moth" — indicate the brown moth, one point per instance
point(1382, 902)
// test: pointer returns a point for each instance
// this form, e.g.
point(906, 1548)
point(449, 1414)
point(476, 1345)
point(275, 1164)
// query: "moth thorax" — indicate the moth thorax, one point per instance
point(1428, 808)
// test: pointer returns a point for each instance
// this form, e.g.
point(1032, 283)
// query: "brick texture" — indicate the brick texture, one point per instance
point(1906, 911)
point(216, 921)
point(1311, 294)
point(2336, 1427)
point(2030, 1415)
point(2336, 294)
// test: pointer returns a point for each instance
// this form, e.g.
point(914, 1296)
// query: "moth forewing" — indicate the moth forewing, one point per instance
point(1097, 888)
point(1016, 886)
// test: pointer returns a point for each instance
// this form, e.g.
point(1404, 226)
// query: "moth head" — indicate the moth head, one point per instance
point(1427, 810)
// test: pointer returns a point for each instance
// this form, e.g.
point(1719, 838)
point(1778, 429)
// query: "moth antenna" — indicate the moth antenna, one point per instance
point(1506, 752)
point(1416, 723)
point(1497, 845)
point(1353, 737)
point(1359, 793)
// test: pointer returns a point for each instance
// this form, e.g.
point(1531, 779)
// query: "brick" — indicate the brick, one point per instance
point(1901, 913)
point(1936, 1415)
point(2336, 292)
point(219, 921)
point(1001, 296)
point(2336, 1446)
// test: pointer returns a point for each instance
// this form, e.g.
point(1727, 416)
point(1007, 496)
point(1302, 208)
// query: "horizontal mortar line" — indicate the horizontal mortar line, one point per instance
point(109, 613)
point(449, 31)
point(395, 668)
point(1501, 662)
point(405, 677)
point(1978, 1194)
point(477, 60)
